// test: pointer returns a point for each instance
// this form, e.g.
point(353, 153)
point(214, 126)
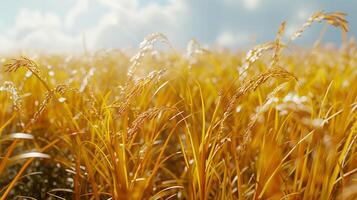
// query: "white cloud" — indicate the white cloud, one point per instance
point(133, 22)
point(80, 7)
point(231, 39)
point(4, 44)
point(251, 4)
point(34, 29)
point(52, 40)
point(32, 19)
point(125, 23)
point(106, 22)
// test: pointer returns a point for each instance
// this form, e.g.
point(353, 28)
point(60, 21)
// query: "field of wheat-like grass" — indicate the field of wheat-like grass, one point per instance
point(276, 122)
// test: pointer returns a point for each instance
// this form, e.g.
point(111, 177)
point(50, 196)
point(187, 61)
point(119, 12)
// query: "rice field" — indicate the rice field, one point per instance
point(276, 122)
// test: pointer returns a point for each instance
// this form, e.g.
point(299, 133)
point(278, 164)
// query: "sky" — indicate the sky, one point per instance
point(66, 25)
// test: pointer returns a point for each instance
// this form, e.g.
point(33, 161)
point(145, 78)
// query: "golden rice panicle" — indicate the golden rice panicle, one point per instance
point(252, 56)
point(129, 93)
point(317, 16)
point(13, 91)
point(14, 64)
point(252, 85)
point(58, 90)
point(278, 44)
point(146, 115)
point(61, 89)
point(337, 19)
point(194, 48)
point(146, 46)
point(259, 50)
point(47, 99)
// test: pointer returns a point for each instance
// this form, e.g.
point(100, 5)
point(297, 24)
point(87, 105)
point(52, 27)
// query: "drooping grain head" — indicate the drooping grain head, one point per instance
point(146, 46)
point(12, 90)
point(337, 19)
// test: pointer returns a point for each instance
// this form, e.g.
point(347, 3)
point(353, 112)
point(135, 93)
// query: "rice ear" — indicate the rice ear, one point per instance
point(147, 115)
point(130, 92)
point(337, 19)
point(14, 64)
point(145, 47)
point(59, 89)
point(252, 85)
point(278, 44)
point(252, 56)
point(10, 87)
